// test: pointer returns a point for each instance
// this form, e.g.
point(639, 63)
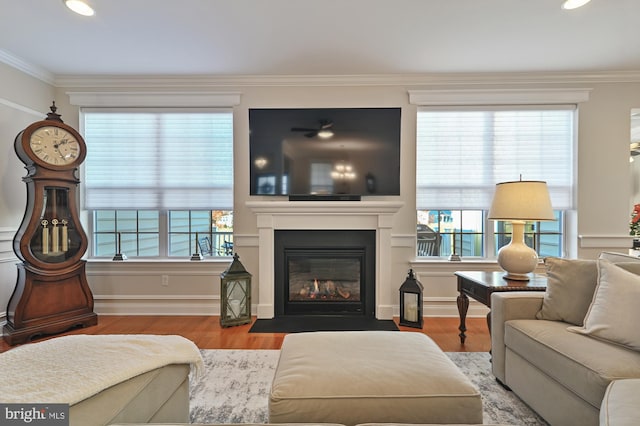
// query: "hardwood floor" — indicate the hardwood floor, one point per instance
point(206, 333)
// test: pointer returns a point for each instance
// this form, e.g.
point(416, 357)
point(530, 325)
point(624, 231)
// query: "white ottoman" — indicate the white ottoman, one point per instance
point(358, 377)
point(104, 378)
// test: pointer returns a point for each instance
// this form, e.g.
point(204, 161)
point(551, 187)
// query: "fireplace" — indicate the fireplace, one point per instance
point(325, 272)
point(327, 216)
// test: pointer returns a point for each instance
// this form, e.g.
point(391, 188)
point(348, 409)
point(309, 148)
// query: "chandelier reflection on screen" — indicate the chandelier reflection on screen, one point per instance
point(343, 171)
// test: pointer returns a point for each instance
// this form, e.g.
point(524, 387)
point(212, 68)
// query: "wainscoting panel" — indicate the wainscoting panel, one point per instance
point(8, 270)
point(441, 285)
point(204, 304)
point(179, 287)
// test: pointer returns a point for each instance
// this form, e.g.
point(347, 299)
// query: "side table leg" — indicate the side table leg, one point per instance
point(463, 306)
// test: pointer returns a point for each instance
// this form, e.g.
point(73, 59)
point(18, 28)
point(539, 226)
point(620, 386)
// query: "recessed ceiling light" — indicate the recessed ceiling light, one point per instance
point(574, 4)
point(79, 6)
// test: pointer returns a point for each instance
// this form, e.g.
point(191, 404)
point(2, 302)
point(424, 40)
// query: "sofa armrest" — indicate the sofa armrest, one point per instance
point(621, 403)
point(507, 306)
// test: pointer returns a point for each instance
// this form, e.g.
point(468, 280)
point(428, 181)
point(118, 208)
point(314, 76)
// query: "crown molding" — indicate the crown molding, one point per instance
point(26, 67)
point(177, 82)
point(422, 79)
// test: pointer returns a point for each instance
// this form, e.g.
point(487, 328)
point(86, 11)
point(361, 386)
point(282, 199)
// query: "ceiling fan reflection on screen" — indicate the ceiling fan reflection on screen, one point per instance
point(324, 131)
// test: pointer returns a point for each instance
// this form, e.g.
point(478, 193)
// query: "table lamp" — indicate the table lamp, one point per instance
point(518, 202)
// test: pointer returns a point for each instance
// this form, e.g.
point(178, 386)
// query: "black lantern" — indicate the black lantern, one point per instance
point(235, 295)
point(411, 302)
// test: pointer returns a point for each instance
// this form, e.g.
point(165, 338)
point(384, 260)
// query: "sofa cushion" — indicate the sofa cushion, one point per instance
point(580, 363)
point(614, 314)
point(570, 287)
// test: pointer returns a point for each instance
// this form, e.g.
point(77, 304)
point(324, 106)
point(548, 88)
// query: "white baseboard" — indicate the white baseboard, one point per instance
point(210, 305)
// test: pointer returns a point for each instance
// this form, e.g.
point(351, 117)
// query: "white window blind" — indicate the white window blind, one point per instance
point(462, 154)
point(141, 159)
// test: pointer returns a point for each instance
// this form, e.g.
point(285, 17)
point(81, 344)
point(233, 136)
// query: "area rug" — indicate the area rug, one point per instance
point(234, 388)
point(301, 324)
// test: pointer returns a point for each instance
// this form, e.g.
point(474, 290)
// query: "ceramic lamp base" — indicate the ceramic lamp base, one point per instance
point(516, 258)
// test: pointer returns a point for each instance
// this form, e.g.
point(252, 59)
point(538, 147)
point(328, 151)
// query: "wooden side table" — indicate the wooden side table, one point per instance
point(480, 284)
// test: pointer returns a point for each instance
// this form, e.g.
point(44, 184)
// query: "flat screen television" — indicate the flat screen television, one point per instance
point(325, 152)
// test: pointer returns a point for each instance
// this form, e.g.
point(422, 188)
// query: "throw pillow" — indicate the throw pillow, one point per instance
point(570, 287)
point(614, 315)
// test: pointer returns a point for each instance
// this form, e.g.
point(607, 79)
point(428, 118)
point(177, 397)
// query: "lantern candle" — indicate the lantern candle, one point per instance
point(412, 312)
point(54, 236)
point(411, 302)
point(45, 237)
point(65, 235)
point(234, 308)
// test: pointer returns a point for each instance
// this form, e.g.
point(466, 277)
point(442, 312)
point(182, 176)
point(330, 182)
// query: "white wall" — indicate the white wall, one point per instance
point(23, 100)
point(635, 165)
point(604, 188)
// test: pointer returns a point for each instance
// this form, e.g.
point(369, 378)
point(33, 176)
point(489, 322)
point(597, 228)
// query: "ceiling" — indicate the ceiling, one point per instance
point(313, 37)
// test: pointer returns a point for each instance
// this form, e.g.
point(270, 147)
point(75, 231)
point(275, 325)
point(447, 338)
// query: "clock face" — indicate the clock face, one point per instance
point(54, 145)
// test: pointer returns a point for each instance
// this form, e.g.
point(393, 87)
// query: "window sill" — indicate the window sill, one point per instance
point(444, 265)
point(464, 260)
point(100, 260)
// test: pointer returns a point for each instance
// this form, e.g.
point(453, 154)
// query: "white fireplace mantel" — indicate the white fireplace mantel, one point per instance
point(318, 215)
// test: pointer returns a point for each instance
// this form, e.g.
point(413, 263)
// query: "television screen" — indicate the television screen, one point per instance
point(325, 151)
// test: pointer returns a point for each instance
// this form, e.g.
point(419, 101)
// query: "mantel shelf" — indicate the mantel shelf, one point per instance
point(324, 207)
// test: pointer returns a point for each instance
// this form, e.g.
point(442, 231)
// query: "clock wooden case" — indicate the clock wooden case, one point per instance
point(52, 294)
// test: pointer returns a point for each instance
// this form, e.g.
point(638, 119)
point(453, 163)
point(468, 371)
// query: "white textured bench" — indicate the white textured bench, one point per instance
point(104, 378)
point(358, 377)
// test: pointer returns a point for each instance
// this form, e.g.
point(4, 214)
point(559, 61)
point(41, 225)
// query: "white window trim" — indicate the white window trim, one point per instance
point(498, 96)
point(154, 99)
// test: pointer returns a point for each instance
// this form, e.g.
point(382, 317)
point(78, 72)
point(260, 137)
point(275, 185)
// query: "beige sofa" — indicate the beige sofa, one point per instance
point(560, 351)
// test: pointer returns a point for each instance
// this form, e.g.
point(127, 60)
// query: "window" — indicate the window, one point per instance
point(544, 237)
point(134, 232)
point(463, 153)
point(321, 182)
point(159, 183)
point(460, 231)
point(210, 231)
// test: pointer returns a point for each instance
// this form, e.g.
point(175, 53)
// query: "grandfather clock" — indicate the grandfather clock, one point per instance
point(52, 293)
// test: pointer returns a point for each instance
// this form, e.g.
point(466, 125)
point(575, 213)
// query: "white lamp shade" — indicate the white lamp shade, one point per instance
point(526, 200)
